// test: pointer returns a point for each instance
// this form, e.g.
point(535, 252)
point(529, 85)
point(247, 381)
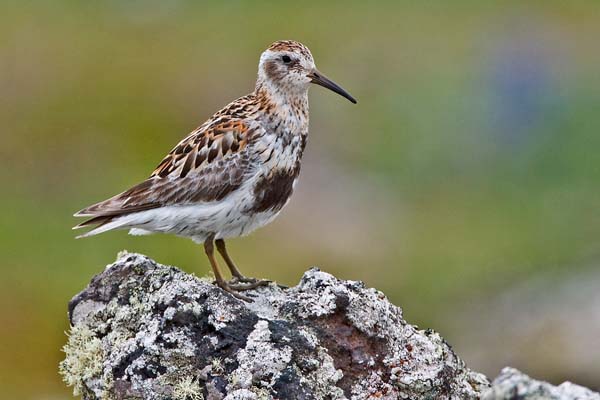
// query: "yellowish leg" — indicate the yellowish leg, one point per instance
point(210, 253)
point(235, 272)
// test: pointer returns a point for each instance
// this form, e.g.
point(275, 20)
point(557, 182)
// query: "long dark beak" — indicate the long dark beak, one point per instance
point(322, 80)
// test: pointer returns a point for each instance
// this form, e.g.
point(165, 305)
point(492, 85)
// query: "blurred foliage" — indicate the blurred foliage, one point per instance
point(477, 128)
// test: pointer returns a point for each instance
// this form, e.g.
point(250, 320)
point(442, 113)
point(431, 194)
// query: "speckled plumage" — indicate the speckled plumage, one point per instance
point(235, 172)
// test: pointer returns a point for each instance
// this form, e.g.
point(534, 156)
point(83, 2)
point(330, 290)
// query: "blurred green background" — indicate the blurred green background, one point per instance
point(464, 184)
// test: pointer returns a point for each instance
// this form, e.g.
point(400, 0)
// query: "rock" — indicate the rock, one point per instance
point(142, 330)
point(513, 384)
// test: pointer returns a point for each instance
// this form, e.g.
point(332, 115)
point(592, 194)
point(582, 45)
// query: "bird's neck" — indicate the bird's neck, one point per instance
point(285, 119)
point(290, 106)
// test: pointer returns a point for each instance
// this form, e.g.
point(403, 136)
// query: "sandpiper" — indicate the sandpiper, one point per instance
point(231, 175)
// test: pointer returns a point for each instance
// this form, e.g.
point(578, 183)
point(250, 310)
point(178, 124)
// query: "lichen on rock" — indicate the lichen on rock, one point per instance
point(513, 384)
point(142, 330)
point(84, 357)
point(187, 388)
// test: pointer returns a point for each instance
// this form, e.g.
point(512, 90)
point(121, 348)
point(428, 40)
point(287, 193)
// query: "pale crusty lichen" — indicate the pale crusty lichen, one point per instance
point(512, 384)
point(166, 334)
point(260, 360)
point(107, 393)
point(84, 356)
point(261, 393)
point(188, 388)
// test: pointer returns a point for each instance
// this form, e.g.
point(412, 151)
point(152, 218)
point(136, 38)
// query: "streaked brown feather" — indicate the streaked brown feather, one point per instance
point(206, 166)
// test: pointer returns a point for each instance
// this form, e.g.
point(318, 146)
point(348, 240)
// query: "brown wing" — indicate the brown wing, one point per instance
point(205, 166)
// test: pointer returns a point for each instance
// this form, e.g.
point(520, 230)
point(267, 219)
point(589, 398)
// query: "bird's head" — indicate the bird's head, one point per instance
point(288, 67)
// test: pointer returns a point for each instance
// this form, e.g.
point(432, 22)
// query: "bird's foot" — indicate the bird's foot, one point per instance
point(243, 283)
point(236, 285)
point(234, 290)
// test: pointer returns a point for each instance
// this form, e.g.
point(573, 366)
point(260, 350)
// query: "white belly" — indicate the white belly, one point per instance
point(227, 218)
point(197, 222)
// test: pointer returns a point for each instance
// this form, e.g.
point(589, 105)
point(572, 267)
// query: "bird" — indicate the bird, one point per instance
point(231, 175)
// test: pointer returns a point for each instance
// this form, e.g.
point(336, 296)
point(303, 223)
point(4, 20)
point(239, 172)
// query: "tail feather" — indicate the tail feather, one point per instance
point(105, 224)
point(112, 213)
point(138, 198)
point(98, 220)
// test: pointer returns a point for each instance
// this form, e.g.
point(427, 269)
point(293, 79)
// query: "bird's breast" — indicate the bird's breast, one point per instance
point(280, 152)
point(273, 190)
point(282, 144)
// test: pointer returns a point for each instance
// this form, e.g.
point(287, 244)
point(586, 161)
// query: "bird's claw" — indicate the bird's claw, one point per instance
point(234, 291)
point(236, 285)
point(248, 283)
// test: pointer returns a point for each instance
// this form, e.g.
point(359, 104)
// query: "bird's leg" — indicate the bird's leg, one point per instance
point(235, 272)
point(210, 253)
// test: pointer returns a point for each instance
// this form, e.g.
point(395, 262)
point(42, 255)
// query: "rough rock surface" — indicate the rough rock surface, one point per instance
point(142, 330)
point(513, 384)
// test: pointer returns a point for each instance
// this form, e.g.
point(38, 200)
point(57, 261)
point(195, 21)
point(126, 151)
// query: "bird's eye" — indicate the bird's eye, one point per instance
point(286, 59)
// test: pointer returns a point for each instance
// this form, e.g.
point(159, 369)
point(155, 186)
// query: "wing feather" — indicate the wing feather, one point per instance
point(206, 166)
